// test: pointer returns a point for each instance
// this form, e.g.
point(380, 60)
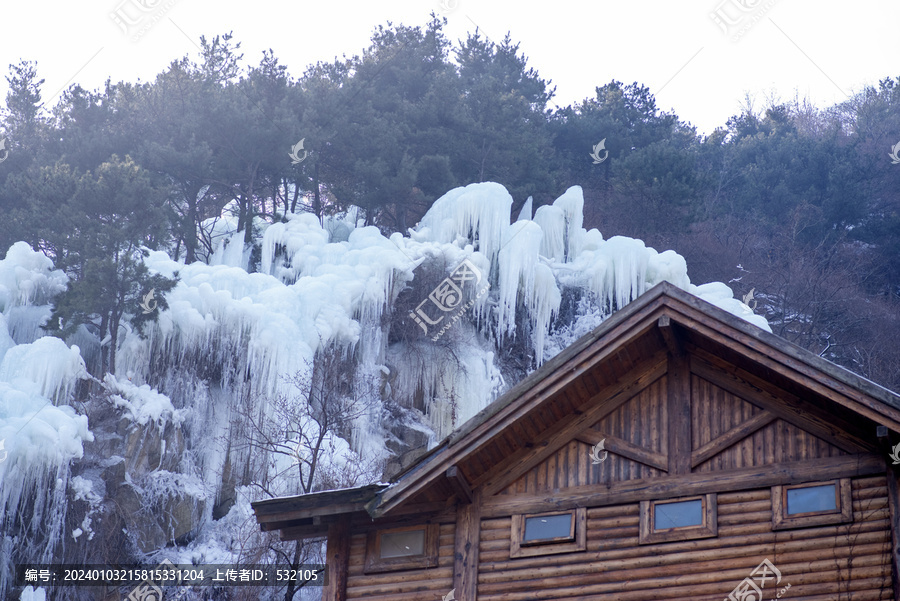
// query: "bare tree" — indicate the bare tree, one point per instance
point(302, 427)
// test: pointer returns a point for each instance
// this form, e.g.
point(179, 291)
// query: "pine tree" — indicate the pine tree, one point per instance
point(103, 234)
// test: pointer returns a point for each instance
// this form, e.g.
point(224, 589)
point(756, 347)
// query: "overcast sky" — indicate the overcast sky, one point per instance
point(822, 50)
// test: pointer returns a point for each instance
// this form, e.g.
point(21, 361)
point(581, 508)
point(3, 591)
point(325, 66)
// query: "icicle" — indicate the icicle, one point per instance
point(525, 213)
point(552, 221)
point(477, 213)
point(523, 277)
point(572, 205)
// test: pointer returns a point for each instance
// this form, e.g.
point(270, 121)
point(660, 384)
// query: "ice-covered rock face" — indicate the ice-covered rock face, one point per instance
point(420, 348)
point(40, 433)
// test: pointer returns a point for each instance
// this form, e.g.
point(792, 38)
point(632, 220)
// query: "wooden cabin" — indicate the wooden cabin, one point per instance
point(734, 465)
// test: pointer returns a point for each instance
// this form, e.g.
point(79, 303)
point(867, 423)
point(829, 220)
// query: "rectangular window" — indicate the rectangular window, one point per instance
point(405, 543)
point(679, 514)
point(811, 504)
point(812, 499)
point(548, 533)
point(678, 519)
point(403, 548)
point(549, 528)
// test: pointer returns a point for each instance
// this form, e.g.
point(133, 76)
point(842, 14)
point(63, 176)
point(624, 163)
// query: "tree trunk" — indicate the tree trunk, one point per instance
point(113, 343)
point(190, 233)
point(104, 350)
point(317, 202)
point(292, 589)
point(296, 196)
point(248, 224)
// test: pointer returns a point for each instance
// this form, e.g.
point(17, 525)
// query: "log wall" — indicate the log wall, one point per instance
point(848, 561)
point(429, 584)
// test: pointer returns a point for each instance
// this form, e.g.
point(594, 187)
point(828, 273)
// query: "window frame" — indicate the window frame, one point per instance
point(576, 542)
point(781, 520)
point(708, 528)
point(428, 559)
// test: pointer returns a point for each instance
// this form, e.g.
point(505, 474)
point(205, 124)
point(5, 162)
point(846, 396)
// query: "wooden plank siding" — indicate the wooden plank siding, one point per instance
point(640, 422)
point(716, 412)
point(404, 585)
point(848, 561)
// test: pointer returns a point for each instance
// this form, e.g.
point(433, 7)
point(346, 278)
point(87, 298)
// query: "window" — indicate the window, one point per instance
point(404, 548)
point(811, 504)
point(548, 533)
point(549, 528)
point(678, 519)
point(680, 514)
point(406, 543)
point(811, 499)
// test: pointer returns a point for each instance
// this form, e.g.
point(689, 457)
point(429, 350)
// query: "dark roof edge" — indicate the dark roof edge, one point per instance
point(359, 494)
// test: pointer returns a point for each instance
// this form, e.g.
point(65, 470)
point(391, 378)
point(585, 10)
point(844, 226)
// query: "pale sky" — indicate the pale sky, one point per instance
point(822, 50)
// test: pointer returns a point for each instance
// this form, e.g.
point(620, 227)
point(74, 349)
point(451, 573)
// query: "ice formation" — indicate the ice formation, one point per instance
point(478, 213)
point(141, 403)
point(40, 433)
point(33, 594)
point(223, 350)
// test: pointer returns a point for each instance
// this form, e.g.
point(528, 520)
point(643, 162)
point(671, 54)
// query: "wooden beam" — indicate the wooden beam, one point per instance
point(670, 336)
point(309, 512)
point(893, 488)
point(465, 550)
point(361, 494)
point(785, 405)
point(337, 557)
point(553, 438)
point(303, 532)
point(678, 410)
point(631, 491)
point(621, 447)
point(736, 434)
point(459, 484)
point(269, 526)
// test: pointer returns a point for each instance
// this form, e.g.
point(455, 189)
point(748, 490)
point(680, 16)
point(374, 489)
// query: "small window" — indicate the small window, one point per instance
point(811, 504)
point(812, 499)
point(405, 543)
point(678, 519)
point(548, 533)
point(549, 529)
point(403, 548)
point(679, 514)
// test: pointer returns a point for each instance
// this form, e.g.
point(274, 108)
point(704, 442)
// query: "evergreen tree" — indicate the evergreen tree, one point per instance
point(23, 132)
point(103, 233)
point(505, 138)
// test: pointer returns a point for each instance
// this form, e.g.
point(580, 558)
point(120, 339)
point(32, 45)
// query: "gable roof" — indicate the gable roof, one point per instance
point(635, 340)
